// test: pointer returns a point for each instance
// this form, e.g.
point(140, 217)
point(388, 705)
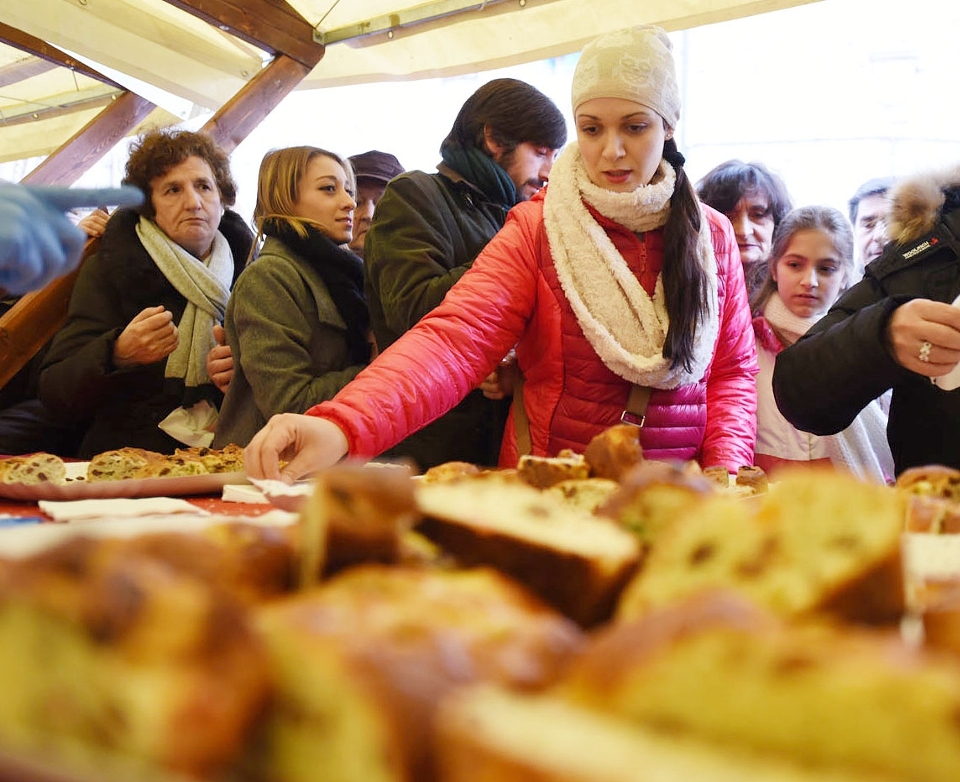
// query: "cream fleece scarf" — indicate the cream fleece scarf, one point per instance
point(624, 325)
point(862, 447)
point(205, 286)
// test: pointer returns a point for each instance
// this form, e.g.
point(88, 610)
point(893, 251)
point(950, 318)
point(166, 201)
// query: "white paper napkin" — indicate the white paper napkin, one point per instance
point(85, 510)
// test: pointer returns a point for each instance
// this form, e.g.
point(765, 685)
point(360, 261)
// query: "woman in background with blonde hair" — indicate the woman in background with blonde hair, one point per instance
point(297, 322)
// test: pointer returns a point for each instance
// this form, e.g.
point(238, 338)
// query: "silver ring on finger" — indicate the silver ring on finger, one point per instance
point(924, 354)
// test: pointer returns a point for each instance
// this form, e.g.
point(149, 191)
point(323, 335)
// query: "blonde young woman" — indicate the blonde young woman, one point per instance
point(614, 278)
point(811, 263)
point(297, 322)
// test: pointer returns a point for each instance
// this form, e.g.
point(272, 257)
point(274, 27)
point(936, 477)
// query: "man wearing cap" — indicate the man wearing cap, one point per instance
point(428, 228)
point(372, 170)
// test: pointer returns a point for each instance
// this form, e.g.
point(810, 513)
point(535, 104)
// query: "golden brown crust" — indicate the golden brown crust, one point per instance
point(932, 480)
point(754, 478)
point(450, 471)
point(394, 641)
point(542, 472)
point(614, 452)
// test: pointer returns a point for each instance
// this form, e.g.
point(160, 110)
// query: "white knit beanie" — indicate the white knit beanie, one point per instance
point(636, 64)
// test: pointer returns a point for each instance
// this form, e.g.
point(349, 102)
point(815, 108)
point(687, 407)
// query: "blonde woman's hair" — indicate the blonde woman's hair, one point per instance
point(278, 187)
point(830, 221)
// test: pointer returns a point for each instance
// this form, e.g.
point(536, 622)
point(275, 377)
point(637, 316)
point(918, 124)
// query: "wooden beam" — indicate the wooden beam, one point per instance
point(272, 25)
point(49, 112)
point(23, 69)
point(242, 113)
point(28, 43)
point(91, 142)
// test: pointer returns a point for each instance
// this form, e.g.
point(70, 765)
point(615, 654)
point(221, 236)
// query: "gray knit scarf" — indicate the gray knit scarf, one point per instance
point(205, 286)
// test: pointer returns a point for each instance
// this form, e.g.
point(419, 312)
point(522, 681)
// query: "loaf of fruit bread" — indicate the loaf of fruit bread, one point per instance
point(33, 469)
point(571, 558)
point(488, 734)
point(107, 656)
point(824, 694)
point(821, 540)
point(361, 662)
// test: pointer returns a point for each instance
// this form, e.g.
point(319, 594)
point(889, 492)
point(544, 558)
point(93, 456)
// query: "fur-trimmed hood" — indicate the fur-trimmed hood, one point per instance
point(916, 201)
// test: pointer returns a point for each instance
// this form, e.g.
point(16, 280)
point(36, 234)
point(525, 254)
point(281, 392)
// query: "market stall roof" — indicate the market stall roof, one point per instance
point(64, 63)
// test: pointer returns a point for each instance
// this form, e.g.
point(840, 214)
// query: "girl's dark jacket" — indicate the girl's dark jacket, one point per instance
point(827, 377)
point(78, 381)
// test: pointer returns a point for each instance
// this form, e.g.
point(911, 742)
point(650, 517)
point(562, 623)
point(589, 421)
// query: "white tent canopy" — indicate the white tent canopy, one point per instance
point(188, 65)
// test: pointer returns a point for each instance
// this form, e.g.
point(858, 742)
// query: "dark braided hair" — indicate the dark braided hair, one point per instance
point(684, 279)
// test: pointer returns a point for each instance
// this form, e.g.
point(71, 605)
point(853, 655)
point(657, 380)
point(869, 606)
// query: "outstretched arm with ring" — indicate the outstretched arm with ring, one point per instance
point(924, 337)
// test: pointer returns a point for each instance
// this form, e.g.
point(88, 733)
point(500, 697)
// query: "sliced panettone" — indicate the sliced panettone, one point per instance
point(822, 540)
point(932, 480)
point(614, 452)
point(252, 562)
point(120, 463)
point(544, 471)
point(571, 558)
point(33, 469)
point(823, 694)
point(361, 662)
point(355, 514)
point(216, 460)
point(652, 495)
point(585, 493)
point(107, 653)
point(488, 734)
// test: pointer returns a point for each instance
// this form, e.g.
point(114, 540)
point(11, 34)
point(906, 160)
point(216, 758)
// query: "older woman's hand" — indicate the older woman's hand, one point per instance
point(149, 337)
point(307, 443)
point(924, 337)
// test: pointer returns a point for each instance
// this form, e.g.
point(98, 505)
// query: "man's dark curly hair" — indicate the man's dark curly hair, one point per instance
point(157, 151)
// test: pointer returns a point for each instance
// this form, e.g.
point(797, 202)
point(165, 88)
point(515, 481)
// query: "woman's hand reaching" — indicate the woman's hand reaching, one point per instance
point(308, 445)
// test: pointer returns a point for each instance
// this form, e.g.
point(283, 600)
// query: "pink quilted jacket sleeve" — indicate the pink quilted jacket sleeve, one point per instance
point(449, 352)
point(731, 431)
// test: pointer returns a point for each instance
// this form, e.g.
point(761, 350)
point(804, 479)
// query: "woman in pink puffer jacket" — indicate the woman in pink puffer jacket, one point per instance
point(614, 278)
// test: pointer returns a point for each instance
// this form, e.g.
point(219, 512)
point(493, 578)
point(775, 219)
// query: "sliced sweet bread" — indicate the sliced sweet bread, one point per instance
point(216, 460)
point(489, 734)
point(652, 495)
point(614, 452)
point(33, 469)
point(574, 560)
point(108, 654)
point(825, 694)
point(822, 540)
point(542, 472)
point(120, 464)
point(362, 661)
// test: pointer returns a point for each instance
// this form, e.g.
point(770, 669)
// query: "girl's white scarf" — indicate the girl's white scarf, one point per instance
point(206, 287)
point(787, 326)
point(625, 327)
point(862, 447)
